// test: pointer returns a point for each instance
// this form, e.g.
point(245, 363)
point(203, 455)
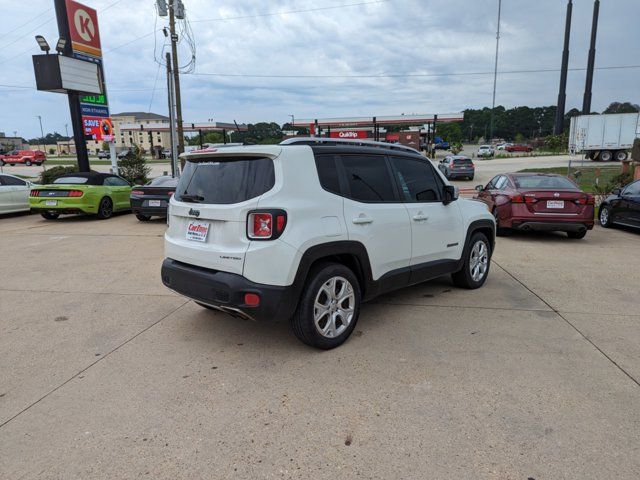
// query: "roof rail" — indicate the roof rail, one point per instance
point(342, 141)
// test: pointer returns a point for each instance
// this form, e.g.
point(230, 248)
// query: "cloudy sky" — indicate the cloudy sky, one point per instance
point(255, 62)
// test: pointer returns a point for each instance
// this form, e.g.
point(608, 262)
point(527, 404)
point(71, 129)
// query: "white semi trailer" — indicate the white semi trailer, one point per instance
point(604, 137)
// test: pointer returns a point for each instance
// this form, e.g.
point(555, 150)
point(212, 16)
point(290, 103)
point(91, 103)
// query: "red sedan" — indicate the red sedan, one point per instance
point(516, 147)
point(538, 201)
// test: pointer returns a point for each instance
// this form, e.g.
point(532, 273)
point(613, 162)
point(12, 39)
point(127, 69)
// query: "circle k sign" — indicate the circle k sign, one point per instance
point(83, 28)
point(84, 25)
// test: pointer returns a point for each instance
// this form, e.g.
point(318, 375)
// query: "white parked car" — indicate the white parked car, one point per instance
point(14, 194)
point(309, 229)
point(502, 146)
point(485, 151)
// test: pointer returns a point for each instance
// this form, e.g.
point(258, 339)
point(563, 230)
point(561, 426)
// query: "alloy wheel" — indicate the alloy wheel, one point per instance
point(604, 216)
point(479, 261)
point(334, 307)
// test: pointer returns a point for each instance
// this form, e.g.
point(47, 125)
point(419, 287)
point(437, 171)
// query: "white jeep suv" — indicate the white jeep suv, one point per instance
point(309, 229)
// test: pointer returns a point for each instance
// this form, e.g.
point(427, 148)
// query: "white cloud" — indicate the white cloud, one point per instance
point(394, 37)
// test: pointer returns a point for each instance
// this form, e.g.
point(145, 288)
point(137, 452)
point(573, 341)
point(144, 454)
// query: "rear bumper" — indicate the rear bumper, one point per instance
point(551, 226)
point(225, 291)
point(65, 205)
point(461, 174)
point(139, 206)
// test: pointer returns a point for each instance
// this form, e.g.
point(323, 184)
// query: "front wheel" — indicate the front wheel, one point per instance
point(605, 216)
point(49, 215)
point(28, 163)
point(105, 209)
point(329, 307)
point(477, 259)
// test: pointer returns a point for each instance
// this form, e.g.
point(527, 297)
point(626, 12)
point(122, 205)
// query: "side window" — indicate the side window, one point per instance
point(108, 182)
point(368, 178)
point(492, 184)
point(328, 173)
point(115, 182)
point(501, 182)
point(7, 180)
point(632, 190)
point(417, 180)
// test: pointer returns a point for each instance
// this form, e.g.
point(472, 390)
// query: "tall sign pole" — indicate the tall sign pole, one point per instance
point(74, 98)
point(586, 102)
point(495, 73)
point(558, 127)
point(176, 74)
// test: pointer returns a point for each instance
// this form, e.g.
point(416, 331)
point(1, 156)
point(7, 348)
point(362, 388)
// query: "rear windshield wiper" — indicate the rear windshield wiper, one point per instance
point(191, 198)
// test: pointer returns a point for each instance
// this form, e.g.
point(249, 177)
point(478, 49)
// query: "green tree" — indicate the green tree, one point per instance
point(133, 167)
point(450, 132)
point(626, 107)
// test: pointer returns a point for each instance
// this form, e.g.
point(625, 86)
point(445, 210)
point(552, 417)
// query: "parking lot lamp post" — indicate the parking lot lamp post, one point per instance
point(41, 131)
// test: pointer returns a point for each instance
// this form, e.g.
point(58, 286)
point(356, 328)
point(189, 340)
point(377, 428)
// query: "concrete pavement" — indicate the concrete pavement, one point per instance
point(106, 374)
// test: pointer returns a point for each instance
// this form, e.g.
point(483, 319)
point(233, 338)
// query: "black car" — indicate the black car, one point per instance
point(622, 207)
point(153, 198)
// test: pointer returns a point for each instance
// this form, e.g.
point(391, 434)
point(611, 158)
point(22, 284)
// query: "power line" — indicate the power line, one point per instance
point(411, 75)
point(274, 14)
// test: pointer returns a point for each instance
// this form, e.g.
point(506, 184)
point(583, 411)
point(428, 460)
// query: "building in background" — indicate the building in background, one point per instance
point(11, 143)
point(153, 130)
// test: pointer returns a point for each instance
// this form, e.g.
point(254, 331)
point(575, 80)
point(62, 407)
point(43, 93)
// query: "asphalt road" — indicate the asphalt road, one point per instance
point(105, 374)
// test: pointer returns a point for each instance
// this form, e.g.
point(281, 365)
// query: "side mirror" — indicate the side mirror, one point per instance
point(479, 188)
point(451, 194)
point(617, 191)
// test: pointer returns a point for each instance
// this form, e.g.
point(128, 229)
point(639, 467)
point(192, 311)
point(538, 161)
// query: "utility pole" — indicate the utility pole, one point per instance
point(558, 127)
point(41, 131)
point(586, 103)
point(176, 73)
point(495, 72)
point(172, 122)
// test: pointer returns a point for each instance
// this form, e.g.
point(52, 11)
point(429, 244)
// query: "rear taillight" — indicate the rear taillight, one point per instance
point(137, 192)
point(588, 200)
point(529, 199)
point(517, 199)
point(34, 193)
point(266, 224)
point(75, 193)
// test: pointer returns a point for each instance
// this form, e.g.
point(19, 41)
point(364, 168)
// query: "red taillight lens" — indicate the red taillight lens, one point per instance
point(75, 193)
point(530, 199)
point(251, 299)
point(266, 224)
point(34, 193)
point(588, 200)
point(260, 225)
point(137, 192)
point(517, 199)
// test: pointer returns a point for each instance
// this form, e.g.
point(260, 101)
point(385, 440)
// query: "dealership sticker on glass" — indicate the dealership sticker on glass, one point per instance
point(197, 231)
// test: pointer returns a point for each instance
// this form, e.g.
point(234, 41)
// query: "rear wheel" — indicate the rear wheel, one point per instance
point(329, 307)
point(605, 216)
point(621, 155)
point(105, 209)
point(577, 235)
point(143, 218)
point(477, 257)
point(28, 163)
point(606, 156)
point(49, 215)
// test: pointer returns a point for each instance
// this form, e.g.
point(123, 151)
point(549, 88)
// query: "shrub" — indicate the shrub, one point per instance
point(133, 167)
point(52, 151)
point(50, 174)
point(556, 143)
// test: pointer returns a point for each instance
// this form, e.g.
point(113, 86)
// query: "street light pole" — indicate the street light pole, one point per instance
point(586, 103)
point(176, 74)
point(562, 94)
point(41, 131)
point(495, 72)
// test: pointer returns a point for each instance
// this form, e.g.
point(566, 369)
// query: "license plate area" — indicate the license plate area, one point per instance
point(197, 231)
point(555, 204)
point(155, 203)
point(51, 203)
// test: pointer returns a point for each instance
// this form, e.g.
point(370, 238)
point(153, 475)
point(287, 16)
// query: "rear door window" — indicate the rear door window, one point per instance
point(417, 179)
point(328, 173)
point(225, 180)
point(369, 178)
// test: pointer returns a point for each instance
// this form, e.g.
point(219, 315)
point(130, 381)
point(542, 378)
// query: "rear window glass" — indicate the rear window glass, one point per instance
point(368, 178)
point(544, 182)
point(163, 182)
point(225, 180)
point(71, 180)
point(328, 173)
point(462, 161)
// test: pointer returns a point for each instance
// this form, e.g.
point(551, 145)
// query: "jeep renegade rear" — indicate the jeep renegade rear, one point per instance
point(308, 230)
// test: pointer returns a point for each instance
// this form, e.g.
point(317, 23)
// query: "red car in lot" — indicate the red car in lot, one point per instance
point(518, 147)
point(538, 201)
point(25, 157)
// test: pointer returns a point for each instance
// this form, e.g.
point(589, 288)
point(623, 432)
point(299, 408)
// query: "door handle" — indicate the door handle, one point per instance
point(362, 220)
point(420, 217)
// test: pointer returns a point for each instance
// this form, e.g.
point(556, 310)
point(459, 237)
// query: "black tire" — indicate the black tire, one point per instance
point(605, 220)
point(464, 278)
point(28, 163)
point(620, 155)
point(577, 235)
point(13, 164)
point(471, 178)
point(316, 288)
point(143, 218)
point(105, 209)
point(605, 156)
point(49, 215)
